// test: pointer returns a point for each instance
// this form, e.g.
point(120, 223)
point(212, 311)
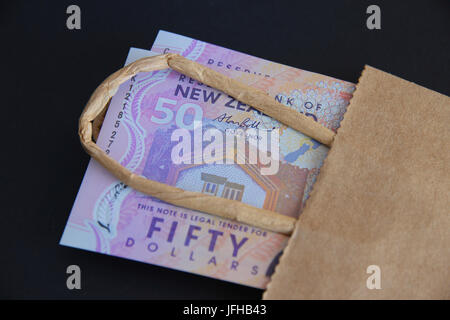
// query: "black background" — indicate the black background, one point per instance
point(49, 72)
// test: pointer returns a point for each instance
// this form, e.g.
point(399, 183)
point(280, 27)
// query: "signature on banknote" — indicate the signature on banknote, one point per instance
point(246, 123)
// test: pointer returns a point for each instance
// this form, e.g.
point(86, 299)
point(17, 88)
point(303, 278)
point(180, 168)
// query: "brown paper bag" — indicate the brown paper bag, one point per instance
point(382, 198)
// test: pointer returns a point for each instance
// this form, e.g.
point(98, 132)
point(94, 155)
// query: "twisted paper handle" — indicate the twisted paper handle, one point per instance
point(230, 209)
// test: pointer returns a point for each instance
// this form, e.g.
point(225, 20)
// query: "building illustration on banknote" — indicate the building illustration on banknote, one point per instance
point(238, 181)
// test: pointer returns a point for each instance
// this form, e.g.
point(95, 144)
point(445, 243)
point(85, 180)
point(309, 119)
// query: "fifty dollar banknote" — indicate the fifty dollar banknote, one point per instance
point(138, 131)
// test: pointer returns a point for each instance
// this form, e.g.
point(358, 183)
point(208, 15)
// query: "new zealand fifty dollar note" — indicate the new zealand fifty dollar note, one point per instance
point(161, 124)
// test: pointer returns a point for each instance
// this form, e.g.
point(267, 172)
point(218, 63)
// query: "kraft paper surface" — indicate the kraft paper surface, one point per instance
point(382, 198)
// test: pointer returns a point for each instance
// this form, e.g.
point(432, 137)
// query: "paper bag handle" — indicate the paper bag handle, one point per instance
point(230, 209)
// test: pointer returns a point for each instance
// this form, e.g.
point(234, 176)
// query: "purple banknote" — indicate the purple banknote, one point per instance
point(172, 129)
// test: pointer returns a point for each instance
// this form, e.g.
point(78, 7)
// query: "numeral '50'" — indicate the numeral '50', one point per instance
point(168, 114)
